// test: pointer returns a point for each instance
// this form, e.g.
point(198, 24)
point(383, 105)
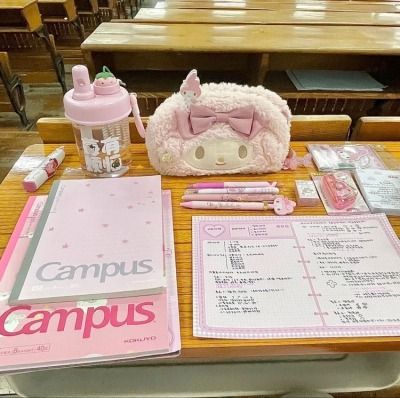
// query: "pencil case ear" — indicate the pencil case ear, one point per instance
point(220, 128)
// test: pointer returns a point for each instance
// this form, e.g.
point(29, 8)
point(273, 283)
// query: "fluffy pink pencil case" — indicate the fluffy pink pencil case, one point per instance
point(219, 129)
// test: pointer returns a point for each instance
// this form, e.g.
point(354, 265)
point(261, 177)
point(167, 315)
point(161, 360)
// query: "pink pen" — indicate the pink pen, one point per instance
point(226, 205)
point(270, 190)
point(230, 197)
point(280, 205)
point(233, 184)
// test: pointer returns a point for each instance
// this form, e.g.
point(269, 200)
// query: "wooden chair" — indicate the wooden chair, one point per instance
point(115, 8)
point(89, 14)
point(320, 127)
point(377, 128)
point(14, 90)
point(304, 128)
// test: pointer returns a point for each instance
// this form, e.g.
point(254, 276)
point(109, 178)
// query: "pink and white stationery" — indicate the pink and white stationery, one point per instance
point(295, 277)
point(80, 332)
point(96, 238)
point(381, 189)
point(330, 157)
point(233, 184)
point(344, 184)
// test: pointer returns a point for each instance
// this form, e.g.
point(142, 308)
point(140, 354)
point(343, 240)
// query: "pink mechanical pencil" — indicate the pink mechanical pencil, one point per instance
point(226, 205)
point(270, 190)
point(233, 184)
point(281, 205)
point(230, 197)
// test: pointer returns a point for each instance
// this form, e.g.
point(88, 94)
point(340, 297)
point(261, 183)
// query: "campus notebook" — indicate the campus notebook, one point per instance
point(83, 332)
point(96, 238)
point(295, 277)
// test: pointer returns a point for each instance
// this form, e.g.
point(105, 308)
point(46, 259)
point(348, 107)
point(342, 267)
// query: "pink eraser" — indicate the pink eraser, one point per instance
point(306, 193)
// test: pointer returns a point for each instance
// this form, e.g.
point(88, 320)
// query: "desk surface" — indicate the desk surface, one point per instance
point(54, 1)
point(13, 198)
point(138, 37)
point(331, 5)
point(265, 17)
point(16, 4)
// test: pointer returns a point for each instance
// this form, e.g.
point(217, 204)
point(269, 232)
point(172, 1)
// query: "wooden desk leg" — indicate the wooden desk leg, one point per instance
point(57, 59)
point(97, 17)
point(131, 7)
point(121, 9)
point(15, 92)
point(88, 57)
point(77, 24)
point(258, 67)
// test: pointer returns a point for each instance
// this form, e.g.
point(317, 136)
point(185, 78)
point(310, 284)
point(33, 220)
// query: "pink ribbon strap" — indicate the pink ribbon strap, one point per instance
point(200, 118)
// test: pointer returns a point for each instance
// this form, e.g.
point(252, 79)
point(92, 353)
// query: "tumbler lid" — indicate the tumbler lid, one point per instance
point(102, 102)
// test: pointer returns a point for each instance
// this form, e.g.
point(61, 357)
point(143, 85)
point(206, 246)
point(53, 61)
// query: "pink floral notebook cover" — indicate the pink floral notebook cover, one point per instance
point(82, 332)
point(95, 238)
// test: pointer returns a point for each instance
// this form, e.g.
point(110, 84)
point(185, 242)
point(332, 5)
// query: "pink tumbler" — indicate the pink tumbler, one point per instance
point(99, 114)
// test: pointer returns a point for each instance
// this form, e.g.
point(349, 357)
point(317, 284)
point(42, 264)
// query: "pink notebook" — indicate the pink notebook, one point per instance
point(96, 238)
point(74, 333)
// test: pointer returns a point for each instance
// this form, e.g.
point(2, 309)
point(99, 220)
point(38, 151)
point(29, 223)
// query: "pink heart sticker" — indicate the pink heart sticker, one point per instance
point(214, 230)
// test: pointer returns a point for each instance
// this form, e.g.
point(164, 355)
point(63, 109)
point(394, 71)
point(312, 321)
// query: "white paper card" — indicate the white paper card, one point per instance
point(288, 277)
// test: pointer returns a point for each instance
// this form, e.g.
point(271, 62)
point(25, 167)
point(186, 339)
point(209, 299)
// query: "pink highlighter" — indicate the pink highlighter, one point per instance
point(46, 170)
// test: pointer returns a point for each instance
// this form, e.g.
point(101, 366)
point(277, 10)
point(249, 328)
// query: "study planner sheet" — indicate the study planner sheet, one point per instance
point(295, 277)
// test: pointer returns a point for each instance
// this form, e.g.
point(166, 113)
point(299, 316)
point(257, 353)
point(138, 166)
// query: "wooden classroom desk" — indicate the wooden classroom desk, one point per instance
point(22, 25)
point(28, 12)
point(265, 17)
point(61, 11)
point(13, 198)
point(206, 367)
point(331, 5)
point(68, 7)
point(157, 45)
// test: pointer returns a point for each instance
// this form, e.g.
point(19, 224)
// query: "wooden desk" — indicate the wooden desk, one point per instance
point(22, 15)
point(339, 6)
point(55, 12)
point(13, 198)
point(23, 30)
point(265, 17)
point(194, 350)
point(273, 47)
point(228, 354)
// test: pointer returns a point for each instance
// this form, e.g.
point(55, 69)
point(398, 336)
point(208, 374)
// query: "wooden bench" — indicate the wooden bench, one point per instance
point(330, 5)
point(31, 49)
point(373, 128)
point(265, 17)
point(14, 90)
point(58, 15)
point(303, 128)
